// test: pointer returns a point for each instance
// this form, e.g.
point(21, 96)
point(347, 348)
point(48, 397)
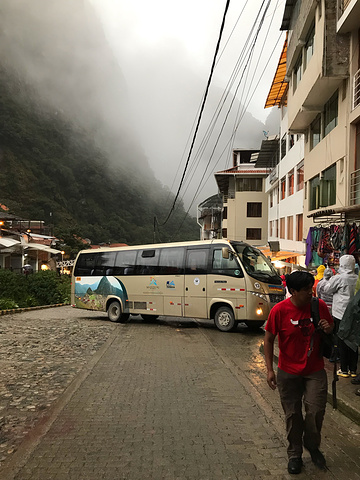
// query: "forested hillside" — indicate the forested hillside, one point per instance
point(52, 170)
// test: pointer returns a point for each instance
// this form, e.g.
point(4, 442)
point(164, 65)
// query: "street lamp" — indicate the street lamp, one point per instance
point(62, 261)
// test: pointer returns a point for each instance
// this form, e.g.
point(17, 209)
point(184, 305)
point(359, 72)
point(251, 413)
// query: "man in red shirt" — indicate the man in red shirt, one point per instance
point(300, 375)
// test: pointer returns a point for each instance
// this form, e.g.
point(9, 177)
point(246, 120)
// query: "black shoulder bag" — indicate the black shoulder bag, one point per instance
point(327, 344)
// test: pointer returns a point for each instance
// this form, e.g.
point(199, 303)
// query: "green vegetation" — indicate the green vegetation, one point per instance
point(53, 171)
point(41, 288)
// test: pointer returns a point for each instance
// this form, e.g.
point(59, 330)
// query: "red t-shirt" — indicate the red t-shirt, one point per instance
point(298, 347)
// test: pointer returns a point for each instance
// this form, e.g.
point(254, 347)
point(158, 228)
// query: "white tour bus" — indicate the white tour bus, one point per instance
point(228, 282)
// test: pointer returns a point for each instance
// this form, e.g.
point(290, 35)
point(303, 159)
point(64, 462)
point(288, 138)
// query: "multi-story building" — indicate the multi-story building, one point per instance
point(209, 213)
point(245, 202)
point(348, 25)
point(318, 101)
point(285, 183)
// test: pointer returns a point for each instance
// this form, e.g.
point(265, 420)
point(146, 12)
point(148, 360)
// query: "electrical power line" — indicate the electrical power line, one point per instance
point(201, 111)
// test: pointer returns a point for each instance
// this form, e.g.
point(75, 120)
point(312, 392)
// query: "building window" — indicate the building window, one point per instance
point(328, 187)
point(291, 178)
point(282, 227)
point(249, 184)
point(283, 146)
point(299, 227)
point(224, 213)
point(270, 228)
point(283, 183)
point(254, 209)
point(331, 114)
point(290, 227)
point(300, 177)
point(314, 194)
point(224, 233)
point(253, 234)
point(272, 193)
point(297, 72)
point(277, 228)
point(315, 131)
point(323, 190)
point(309, 46)
point(291, 140)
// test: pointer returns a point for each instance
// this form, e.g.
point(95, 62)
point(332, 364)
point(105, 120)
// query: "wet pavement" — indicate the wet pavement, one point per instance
point(171, 400)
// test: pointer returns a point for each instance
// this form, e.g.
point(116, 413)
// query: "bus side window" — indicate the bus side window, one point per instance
point(125, 262)
point(104, 263)
point(225, 266)
point(85, 264)
point(171, 261)
point(147, 262)
point(196, 261)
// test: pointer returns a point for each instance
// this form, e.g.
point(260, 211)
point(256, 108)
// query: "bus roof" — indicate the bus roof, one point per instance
point(162, 245)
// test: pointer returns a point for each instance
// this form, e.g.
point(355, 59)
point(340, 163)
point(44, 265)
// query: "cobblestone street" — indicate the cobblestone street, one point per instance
point(170, 400)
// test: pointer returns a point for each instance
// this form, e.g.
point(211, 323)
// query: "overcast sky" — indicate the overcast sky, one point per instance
point(165, 49)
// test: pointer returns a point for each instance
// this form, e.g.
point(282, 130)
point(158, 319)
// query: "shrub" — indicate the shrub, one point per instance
point(7, 304)
point(12, 286)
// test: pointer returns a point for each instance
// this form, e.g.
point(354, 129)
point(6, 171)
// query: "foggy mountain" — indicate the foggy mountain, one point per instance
point(69, 154)
point(72, 136)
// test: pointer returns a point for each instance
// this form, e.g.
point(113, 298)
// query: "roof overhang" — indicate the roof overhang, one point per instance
point(289, 6)
point(279, 86)
point(269, 153)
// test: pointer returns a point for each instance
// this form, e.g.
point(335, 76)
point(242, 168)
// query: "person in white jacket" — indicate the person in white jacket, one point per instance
point(342, 286)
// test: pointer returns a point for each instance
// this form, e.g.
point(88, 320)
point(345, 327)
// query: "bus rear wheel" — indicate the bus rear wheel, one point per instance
point(225, 320)
point(149, 318)
point(114, 313)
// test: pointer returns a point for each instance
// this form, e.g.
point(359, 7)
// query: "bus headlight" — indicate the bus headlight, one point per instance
point(260, 295)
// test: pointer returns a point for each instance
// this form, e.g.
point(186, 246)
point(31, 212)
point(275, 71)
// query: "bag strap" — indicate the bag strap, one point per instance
point(315, 312)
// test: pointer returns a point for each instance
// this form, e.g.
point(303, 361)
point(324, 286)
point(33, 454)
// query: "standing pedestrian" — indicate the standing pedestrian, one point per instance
point(300, 376)
point(327, 297)
point(342, 286)
point(318, 277)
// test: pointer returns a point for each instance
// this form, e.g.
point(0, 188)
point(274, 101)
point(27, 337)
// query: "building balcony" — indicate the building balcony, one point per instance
point(348, 15)
point(355, 188)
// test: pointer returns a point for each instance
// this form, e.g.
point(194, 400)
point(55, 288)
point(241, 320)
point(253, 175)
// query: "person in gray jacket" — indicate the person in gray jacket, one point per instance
point(342, 286)
point(327, 297)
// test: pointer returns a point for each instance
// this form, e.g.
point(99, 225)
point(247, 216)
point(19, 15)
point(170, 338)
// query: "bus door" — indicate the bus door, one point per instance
point(226, 282)
point(195, 298)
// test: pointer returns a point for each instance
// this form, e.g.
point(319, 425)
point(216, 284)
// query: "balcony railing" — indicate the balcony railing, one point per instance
point(342, 6)
point(355, 188)
point(356, 89)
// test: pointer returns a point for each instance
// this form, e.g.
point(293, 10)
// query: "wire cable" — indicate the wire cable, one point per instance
point(201, 111)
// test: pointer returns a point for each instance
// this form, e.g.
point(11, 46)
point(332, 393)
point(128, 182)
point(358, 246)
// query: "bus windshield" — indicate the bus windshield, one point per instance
point(256, 264)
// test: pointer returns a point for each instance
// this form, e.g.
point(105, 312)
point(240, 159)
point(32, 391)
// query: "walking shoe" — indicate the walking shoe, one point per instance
point(353, 374)
point(356, 380)
point(318, 458)
point(343, 374)
point(294, 465)
point(357, 392)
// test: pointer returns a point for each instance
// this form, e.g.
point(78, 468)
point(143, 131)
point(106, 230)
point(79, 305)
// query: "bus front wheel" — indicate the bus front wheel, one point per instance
point(225, 320)
point(114, 313)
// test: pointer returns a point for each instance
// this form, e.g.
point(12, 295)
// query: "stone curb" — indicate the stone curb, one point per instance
point(342, 406)
point(27, 309)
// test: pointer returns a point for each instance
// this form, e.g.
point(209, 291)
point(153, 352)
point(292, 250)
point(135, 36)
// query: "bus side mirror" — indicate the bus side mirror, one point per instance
point(225, 252)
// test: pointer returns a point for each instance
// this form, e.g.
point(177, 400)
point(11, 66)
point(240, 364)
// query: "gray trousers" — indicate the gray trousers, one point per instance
point(294, 389)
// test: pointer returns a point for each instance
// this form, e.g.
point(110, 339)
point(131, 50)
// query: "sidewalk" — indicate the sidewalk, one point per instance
point(347, 402)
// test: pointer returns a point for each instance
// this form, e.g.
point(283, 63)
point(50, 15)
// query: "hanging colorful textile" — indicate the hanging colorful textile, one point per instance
point(344, 248)
point(316, 234)
point(352, 242)
point(336, 236)
point(325, 247)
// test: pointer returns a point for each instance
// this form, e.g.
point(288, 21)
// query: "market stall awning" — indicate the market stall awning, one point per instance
point(281, 255)
point(8, 242)
point(279, 85)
